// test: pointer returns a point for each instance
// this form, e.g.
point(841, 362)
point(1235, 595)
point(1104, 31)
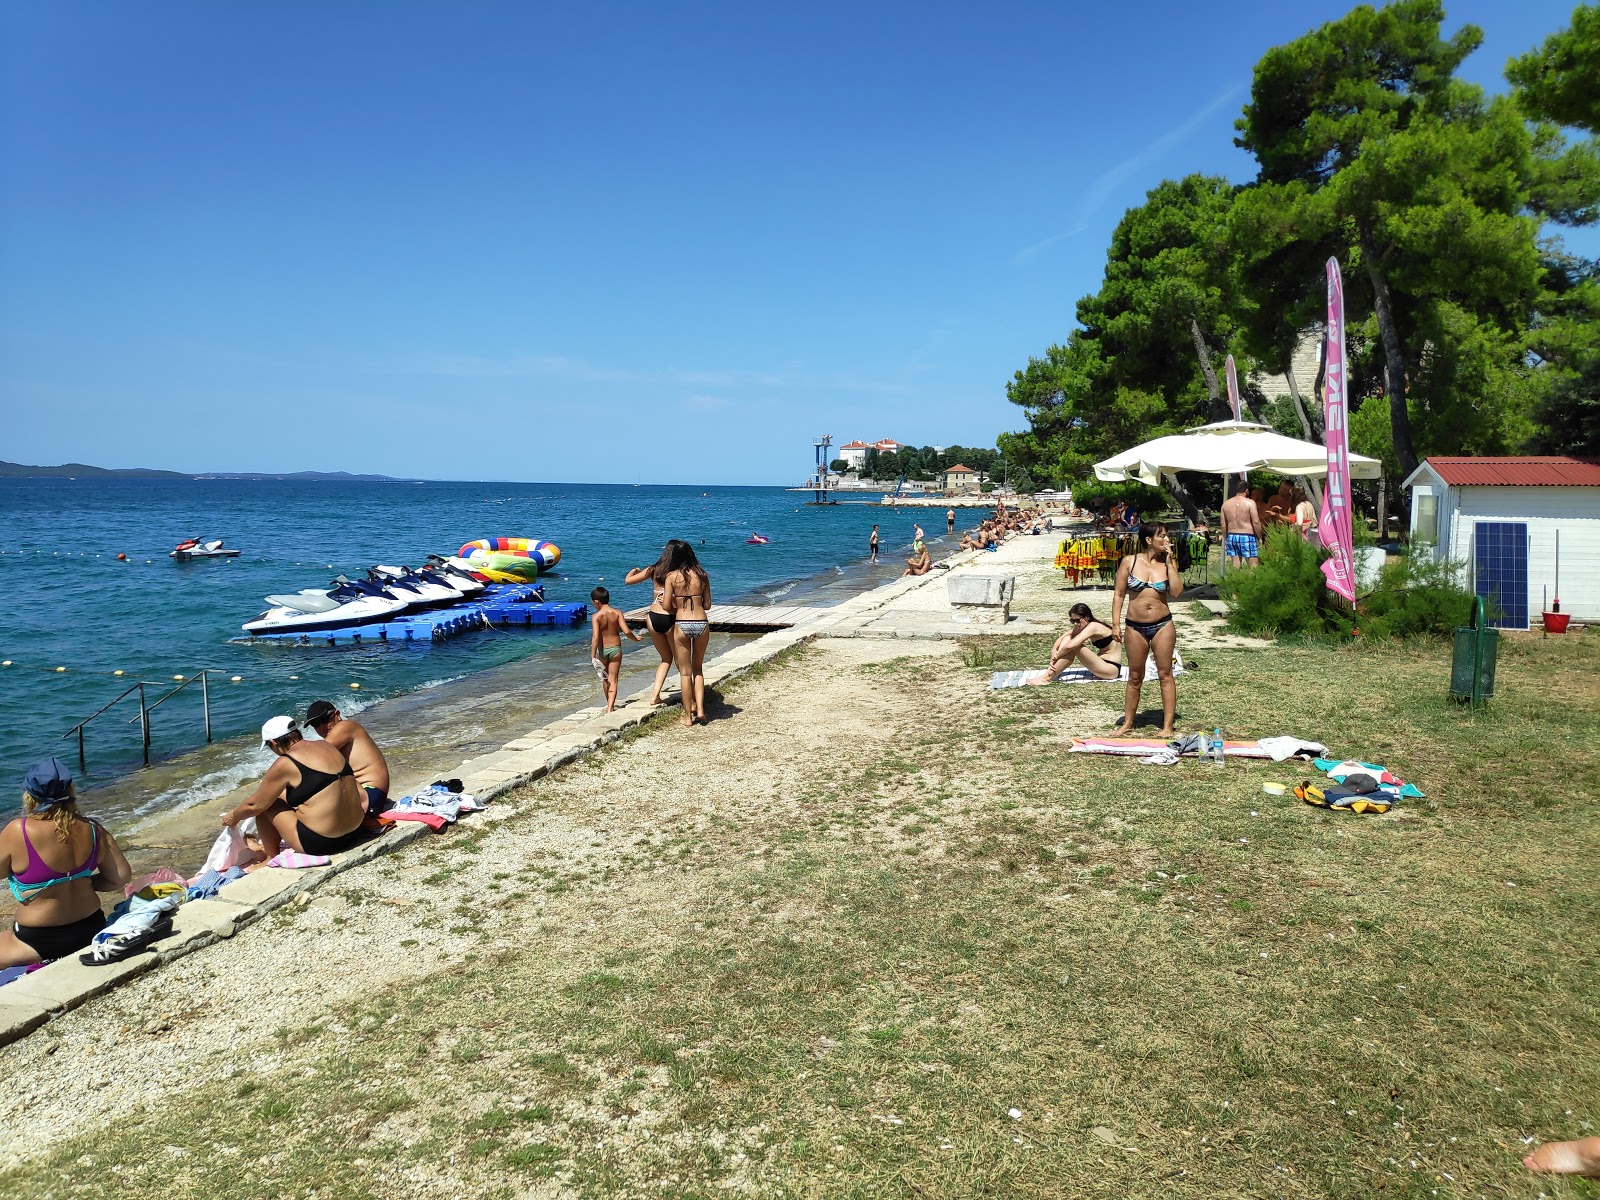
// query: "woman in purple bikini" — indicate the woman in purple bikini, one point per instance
point(54, 858)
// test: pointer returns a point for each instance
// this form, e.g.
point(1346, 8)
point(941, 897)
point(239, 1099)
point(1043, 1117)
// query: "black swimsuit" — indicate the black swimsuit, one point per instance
point(311, 782)
point(1101, 644)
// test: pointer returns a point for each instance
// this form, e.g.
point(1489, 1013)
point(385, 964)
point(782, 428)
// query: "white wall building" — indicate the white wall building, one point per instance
point(855, 453)
point(1502, 519)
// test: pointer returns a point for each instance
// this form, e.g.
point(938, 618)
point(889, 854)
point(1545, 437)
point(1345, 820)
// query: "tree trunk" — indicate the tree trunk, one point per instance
point(1219, 411)
point(1383, 509)
point(1182, 496)
point(1305, 424)
point(1394, 374)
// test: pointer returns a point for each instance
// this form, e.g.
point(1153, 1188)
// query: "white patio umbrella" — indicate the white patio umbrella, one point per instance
point(1226, 448)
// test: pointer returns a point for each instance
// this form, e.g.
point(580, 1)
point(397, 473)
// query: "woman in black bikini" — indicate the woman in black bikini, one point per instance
point(308, 798)
point(659, 619)
point(1148, 581)
point(1088, 642)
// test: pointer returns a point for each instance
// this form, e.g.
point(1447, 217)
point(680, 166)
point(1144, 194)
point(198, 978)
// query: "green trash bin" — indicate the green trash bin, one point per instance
point(1472, 665)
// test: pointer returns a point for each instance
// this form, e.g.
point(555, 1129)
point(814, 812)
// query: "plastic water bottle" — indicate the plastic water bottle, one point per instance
point(1217, 755)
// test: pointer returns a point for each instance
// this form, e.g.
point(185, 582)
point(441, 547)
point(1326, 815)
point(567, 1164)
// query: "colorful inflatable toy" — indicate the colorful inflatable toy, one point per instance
point(509, 560)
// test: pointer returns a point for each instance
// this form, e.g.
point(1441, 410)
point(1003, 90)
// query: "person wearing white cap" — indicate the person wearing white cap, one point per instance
point(308, 798)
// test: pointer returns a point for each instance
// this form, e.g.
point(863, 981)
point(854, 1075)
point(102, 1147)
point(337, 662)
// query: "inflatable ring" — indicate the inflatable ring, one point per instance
point(542, 555)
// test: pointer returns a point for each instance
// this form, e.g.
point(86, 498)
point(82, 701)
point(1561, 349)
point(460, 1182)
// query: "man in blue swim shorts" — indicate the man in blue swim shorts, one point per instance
point(1241, 525)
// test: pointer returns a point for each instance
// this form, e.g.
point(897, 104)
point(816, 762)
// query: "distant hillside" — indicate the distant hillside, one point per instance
point(314, 476)
point(85, 471)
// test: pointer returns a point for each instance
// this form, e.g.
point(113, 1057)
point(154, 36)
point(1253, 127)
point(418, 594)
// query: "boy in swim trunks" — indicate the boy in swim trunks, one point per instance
point(606, 628)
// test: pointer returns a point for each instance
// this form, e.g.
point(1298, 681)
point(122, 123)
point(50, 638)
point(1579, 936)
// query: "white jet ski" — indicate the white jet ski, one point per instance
point(431, 593)
point(456, 576)
point(195, 548)
point(353, 603)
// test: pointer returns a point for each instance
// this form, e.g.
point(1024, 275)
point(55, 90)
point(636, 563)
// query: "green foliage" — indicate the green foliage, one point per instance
point(1287, 595)
point(1094, 494)
point(1560, 81)
point(1415, 597)
point(925, 464)
point(1133, 371)
point(838, 466)
point(1465, 333)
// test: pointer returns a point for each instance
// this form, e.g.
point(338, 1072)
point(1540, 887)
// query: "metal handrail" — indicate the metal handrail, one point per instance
point(205, 694)
point(144, 712)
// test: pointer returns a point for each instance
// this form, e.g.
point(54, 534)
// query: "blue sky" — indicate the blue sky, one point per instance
point(630, 243)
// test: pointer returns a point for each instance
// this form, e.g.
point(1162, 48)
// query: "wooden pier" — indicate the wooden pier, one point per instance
point(744, 618)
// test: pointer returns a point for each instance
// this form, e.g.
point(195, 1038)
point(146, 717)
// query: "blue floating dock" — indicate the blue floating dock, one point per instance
point(499, 604)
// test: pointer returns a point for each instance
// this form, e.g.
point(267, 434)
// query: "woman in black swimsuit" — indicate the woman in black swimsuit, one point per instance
point(659, 619)
point(1148, 581)
point(308, 798)
point(1088, 642)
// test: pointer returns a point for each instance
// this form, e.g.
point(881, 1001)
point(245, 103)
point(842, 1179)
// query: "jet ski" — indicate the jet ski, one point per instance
point(405, 583)
point(348, 602)
point(195, 548)
point(457, 576)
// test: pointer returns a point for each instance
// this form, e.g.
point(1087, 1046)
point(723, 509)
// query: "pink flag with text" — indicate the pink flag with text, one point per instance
point(1335, 526)
point(1233, 387)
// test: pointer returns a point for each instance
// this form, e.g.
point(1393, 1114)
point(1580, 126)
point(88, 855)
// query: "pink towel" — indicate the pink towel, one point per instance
point(294, 860)
point(431, 820)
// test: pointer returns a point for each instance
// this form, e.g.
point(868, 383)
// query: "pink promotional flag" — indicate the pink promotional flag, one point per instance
point(1335, 527)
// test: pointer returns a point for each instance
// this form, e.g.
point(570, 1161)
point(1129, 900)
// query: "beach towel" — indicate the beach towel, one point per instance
point(159, 875)
point(432, 820)
point(1286, 747)
point(1012, 679)
point(1144, 747)
point(229, 850)
point(208, 883)
point(294, 860)
point(1387, 781)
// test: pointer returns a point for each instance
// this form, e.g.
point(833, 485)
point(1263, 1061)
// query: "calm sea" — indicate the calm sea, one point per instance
point(70, 603)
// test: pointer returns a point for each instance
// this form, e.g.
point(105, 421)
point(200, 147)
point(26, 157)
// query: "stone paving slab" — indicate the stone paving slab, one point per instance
point(270, 887)
point(20, 1015)
point(67, 983)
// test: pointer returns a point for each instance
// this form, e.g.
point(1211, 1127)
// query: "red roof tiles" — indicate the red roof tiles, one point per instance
point(1554, 470)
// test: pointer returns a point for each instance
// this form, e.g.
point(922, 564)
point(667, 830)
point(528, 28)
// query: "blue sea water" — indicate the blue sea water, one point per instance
point(70, 603)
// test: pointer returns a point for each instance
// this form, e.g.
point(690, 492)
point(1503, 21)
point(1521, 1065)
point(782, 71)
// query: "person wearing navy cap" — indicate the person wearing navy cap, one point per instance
point(54, 859)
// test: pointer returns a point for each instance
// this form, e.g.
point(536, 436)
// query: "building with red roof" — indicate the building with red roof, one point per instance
point(1525, 530)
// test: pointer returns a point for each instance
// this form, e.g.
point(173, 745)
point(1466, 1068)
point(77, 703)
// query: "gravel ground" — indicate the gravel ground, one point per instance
point(211, 1014)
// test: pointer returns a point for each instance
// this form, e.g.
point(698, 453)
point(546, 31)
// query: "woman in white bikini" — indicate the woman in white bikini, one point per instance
point(686, 594)
point(1149, 581)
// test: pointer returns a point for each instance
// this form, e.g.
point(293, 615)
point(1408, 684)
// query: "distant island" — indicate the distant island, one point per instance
point(10, 470)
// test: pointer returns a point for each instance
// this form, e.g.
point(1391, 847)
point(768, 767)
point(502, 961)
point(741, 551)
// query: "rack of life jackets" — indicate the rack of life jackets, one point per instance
point(1093, 560)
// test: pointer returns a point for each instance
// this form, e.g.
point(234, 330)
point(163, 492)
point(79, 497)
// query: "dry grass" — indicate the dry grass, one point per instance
point(788, 956)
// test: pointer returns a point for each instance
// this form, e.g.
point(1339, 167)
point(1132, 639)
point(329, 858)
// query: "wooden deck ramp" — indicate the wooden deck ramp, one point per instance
point(744, 618)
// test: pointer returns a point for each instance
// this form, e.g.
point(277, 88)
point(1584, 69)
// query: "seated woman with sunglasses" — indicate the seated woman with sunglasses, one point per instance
point(1088, 643)
point(1148, 581)
point(309, 797)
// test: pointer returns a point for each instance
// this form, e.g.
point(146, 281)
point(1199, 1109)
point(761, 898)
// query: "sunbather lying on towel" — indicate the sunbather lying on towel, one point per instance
point(1087, 642)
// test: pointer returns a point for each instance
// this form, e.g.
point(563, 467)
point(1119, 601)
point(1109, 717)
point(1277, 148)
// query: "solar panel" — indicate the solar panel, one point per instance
point(1500, 559)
